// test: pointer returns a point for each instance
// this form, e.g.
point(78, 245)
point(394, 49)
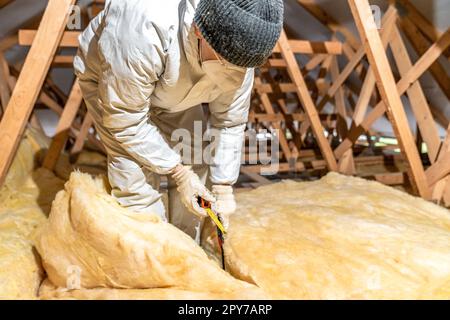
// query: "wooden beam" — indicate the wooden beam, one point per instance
point(421, 22)
point(31, 80)
point(441, 188)
point(439, 170)
point(421, 66)
point(387, 24)
point(386, 85)
point(391, 178)
point(63, 62)
point(69, 38)
point(369, 83)
point(62, 130)
point(83, 134)
point(309, 47)
point(421, 45)
point(307, 102)
point(267, 105)
point(4, 3)
point(346, 164)
point(416, 97)
point(8, 42)
point(315, 61)
point(5, 92)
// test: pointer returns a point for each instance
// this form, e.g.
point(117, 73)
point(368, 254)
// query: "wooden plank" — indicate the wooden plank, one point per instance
point(439, 170)
point(267, 105)
point(391, 179)
point(446, 197)
point(349, 53)
point(63, 62)
point(445, 145)
point(8, 42)
point(441, 189)
point(307, 102)
point(369, 83)
point(44, 98)
point(69, 38)
point(62, 130)
point(5, 92)
point(31, 79)
point(364, 97)
point(416, 97)
point(310, 47)
point(346, 164)
point(421, 22)
point(97, 7)
point(315, 61)
point(4, 3)
point(321, 82)
point(386, 85)
point(387, 24)
point(439, 115)
point(421, 66)
point(421, 45)
point(83, 134)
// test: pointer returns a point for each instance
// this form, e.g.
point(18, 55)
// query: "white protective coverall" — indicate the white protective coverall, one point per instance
point(142, 79)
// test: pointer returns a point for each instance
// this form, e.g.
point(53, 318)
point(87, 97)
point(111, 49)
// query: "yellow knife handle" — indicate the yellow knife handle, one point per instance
point(216, 220)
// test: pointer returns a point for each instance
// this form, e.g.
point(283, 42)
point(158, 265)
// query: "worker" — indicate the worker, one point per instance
point(149, 68)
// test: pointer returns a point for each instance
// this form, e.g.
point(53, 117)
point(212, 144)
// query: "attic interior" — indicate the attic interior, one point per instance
point(345, 166)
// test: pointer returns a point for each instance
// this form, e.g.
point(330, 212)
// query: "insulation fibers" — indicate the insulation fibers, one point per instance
point(25, 199)
point(340, 238)
point(111, 247)
point(49, 292)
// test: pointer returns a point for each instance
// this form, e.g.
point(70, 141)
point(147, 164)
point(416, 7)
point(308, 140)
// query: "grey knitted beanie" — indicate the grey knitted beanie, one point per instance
point(243, 32)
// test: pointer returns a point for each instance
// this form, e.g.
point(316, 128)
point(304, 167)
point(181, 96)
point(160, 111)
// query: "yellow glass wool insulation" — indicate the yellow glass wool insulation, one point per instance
point(340, 238)
point(25, 199)
point(110, 247)
point(49, 292)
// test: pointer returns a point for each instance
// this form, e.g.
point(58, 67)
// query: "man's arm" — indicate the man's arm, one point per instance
point(229, 116)
point(129, 71)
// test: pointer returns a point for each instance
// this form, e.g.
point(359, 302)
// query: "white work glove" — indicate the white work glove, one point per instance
point(190, 188)
point(225, 204)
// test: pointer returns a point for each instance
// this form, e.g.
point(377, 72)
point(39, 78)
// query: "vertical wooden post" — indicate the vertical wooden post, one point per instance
point(31, 80)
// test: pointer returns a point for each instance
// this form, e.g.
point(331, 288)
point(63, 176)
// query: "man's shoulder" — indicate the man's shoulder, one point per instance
point(136, 25)
point(161, 14)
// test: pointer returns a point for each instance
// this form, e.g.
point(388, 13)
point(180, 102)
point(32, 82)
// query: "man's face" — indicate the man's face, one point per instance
point(207, 53)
